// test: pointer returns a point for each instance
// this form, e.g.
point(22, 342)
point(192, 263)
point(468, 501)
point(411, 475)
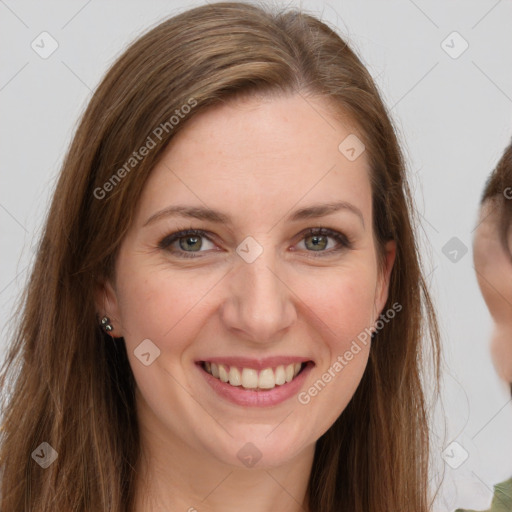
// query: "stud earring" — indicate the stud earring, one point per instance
point(105, 323)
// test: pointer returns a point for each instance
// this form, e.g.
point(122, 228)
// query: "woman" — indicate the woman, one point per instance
point(492, 254)
point(227, 306)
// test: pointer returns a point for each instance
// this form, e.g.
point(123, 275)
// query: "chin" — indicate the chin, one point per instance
point(260, 450)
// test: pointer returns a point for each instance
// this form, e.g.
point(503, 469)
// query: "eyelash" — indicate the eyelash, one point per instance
point(343, 240)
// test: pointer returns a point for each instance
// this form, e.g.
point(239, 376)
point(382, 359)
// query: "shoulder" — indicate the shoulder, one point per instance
point(501, 501)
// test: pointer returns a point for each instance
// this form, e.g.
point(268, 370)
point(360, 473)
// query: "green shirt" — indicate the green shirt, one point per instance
point(502, 500)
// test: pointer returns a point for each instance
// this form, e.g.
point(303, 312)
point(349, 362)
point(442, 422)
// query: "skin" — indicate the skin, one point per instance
point(257, 160)
point(494, 273)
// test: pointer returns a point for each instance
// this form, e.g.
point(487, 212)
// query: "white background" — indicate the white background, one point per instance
point(454, 118)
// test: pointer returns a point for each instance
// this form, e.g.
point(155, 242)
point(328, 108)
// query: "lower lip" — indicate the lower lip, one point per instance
point(246, 397)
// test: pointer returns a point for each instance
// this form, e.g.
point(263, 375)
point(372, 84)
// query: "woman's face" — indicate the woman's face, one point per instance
point(494, 273)
point(250, 296)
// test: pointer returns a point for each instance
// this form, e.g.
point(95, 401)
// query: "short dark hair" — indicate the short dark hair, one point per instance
point(498, 189)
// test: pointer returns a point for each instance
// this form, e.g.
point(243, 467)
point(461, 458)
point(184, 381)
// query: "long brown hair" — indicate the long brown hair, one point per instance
point(71, 387)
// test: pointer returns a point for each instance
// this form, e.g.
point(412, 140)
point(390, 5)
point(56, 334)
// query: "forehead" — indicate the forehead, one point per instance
point(284, 130)
point(262, 153)
point(487, 247)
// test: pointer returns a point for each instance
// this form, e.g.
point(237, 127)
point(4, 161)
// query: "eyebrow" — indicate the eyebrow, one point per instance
point(203, 213)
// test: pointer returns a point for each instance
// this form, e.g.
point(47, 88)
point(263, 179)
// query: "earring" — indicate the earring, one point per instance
point(105, 323)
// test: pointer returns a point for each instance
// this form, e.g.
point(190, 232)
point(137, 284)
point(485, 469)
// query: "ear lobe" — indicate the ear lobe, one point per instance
point(382, 289)
point(106, 302)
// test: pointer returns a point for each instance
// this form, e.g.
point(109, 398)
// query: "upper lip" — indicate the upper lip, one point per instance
point(257, 364)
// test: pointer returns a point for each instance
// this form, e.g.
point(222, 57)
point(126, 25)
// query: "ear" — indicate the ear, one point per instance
point(382, 288)
point(107, 304)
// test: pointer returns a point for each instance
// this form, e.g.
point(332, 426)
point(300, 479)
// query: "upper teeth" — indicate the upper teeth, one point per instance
point(250, 379)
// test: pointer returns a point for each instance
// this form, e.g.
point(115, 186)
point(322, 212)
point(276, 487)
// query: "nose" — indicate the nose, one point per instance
point(259, 304)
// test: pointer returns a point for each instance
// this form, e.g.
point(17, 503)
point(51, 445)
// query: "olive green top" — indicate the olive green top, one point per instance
point(502, 500)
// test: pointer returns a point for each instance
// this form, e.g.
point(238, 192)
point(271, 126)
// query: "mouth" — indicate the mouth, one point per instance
point(252, 379)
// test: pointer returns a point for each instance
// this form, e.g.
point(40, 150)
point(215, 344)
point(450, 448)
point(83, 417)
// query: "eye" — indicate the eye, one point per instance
point(188, 241)
point(316, 240)
point(185, 243)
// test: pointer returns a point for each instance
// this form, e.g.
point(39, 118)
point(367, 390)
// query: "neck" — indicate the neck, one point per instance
point(173, 475)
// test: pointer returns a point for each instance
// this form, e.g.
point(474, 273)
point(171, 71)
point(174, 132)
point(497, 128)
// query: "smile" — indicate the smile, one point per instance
point(251, 378)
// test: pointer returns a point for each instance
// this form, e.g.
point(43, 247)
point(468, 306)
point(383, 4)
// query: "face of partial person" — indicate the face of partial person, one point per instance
point(251, 295)
point(494, 273)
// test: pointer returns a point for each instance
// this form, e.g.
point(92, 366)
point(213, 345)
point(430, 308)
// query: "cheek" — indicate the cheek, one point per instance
point(343, 299)
point(343, 303)
point(159, 305)
point(501, 350)
point(170, 307)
